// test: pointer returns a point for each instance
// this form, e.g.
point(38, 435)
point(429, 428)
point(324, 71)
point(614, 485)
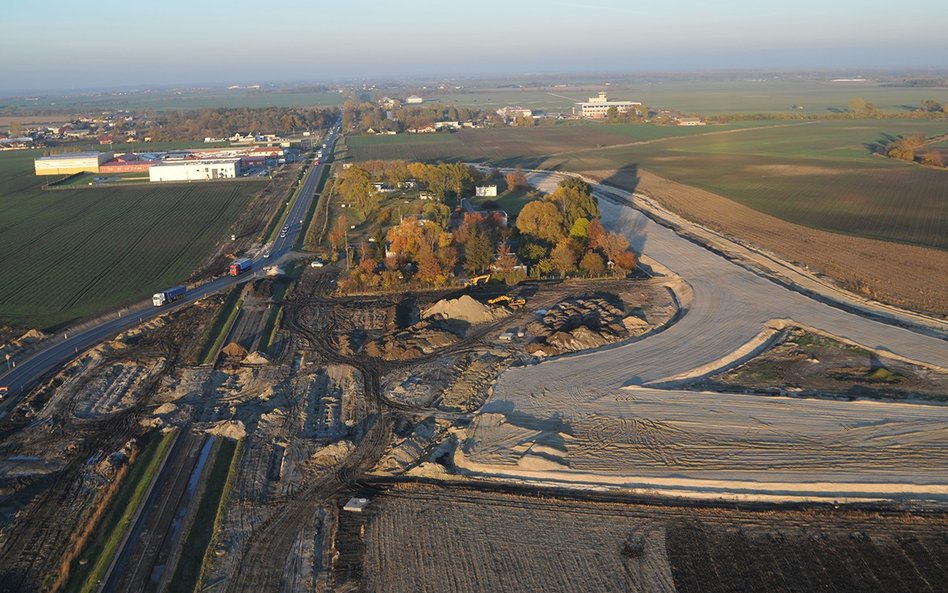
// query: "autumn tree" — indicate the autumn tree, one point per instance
point(541, 219)
point(516, 179)
point(564, 256)
point(355, 186)
point(933, 158)
point(592, 264)
point(337, 234)
point(505, 263)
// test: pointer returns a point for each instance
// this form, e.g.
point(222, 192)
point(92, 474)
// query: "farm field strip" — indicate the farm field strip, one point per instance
point(818, 174)
point(74, 253)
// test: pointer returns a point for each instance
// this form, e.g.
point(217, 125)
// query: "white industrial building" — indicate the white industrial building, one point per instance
point(71, 162)
point(598, 107)
point(485, 191)
point(195, 170)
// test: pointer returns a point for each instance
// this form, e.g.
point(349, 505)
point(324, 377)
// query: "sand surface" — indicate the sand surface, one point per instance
point(566, 403)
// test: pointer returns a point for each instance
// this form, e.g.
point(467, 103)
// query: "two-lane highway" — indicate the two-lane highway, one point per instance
point(58, 352)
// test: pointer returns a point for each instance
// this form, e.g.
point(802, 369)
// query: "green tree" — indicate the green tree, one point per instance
point(575, 200)
point(580, 229)
point(931, 106)
point(478, 252)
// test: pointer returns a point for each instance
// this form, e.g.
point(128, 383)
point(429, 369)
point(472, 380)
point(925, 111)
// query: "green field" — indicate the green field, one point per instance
point(708, 97)
point(70, 254)
point(497, 145)
point(173, 99)
point(821, 174)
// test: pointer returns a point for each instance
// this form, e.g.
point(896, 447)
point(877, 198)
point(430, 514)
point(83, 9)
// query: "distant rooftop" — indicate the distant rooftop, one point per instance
point(69, 155)
point(173, 162)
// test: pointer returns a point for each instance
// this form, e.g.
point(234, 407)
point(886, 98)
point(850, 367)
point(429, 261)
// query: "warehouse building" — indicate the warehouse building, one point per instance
point(598, 107)
point(195, 170)
point(72, 162)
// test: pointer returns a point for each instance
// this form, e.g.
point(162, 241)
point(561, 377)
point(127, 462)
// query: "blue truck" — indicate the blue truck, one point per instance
point(166, 296)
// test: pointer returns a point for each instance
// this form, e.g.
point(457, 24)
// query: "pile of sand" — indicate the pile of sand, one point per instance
point(232, 429)
point(463, 308)
point(256, 358)
point(235, 350)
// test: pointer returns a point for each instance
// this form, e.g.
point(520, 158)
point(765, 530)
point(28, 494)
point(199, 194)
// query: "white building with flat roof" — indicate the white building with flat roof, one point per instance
point(485, 191)
point(195, 170)
point(598, 107)
point(71, 162)
point(414, 100)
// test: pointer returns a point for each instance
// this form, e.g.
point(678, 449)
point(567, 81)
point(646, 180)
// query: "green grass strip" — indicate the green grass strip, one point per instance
point(222, 323)
point(118, 518)
point(206, 519)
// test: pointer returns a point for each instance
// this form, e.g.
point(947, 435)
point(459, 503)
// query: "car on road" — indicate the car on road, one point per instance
point(266, 254)
point(4, 390)
point(316, 264)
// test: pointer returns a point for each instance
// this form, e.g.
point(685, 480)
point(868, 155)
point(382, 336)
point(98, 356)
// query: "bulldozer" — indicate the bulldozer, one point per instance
point(513, 303)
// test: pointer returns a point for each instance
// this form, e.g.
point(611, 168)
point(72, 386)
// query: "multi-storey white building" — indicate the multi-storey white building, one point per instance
point(598, 107)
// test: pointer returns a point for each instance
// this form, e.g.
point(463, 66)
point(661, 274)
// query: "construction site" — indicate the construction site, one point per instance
point(698, 426)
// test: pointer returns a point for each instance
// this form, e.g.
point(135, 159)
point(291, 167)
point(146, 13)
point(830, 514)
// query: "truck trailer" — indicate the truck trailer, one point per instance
point(240, 266)
point(166, 296)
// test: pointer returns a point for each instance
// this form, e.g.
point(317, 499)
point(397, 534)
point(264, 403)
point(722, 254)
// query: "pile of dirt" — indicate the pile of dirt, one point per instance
point(235, 350)
point(463, 308)
point(256, 358)
point(23, 342)
point(424, 337)
point(583, 323)
point(232, 429)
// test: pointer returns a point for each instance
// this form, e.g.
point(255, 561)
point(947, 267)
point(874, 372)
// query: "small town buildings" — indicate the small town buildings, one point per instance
point(70, 163)
point(598, 107)
point(514, 112)
point(690, 121)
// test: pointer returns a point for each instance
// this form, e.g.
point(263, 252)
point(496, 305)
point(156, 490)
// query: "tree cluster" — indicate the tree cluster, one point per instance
point(557, 234)
point(363, 116)
point(223, 122)
point(562, 233)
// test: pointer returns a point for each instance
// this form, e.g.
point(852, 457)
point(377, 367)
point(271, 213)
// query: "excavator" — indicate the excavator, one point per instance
point(513, 303)
point(478, 280)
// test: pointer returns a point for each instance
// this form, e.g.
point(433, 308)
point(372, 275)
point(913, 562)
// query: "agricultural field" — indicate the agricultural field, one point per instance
point(171, 99)
point(438, 540)
point(502, 146)
point(708, 97)
point(817, 174)
point(70, 254)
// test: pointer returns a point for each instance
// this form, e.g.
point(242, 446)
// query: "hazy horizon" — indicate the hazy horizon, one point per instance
point(179, 43)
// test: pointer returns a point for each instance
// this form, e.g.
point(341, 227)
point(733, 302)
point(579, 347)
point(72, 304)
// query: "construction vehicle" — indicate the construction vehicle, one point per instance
point(166, 296)
point(513, 303)
point(240, 266)
point(478, 280)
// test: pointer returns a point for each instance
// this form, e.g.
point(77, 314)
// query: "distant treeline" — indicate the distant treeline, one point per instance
point(222, 122)
point(858, 109)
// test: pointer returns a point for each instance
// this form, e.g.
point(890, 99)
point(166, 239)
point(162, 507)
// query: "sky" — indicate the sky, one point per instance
point(64, 44)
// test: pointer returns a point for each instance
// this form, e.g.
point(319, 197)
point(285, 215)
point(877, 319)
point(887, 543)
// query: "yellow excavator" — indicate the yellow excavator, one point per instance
point(513, 303)
point(478, 280)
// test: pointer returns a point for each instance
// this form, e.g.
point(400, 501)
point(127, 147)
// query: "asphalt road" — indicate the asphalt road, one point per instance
point(63, 348)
